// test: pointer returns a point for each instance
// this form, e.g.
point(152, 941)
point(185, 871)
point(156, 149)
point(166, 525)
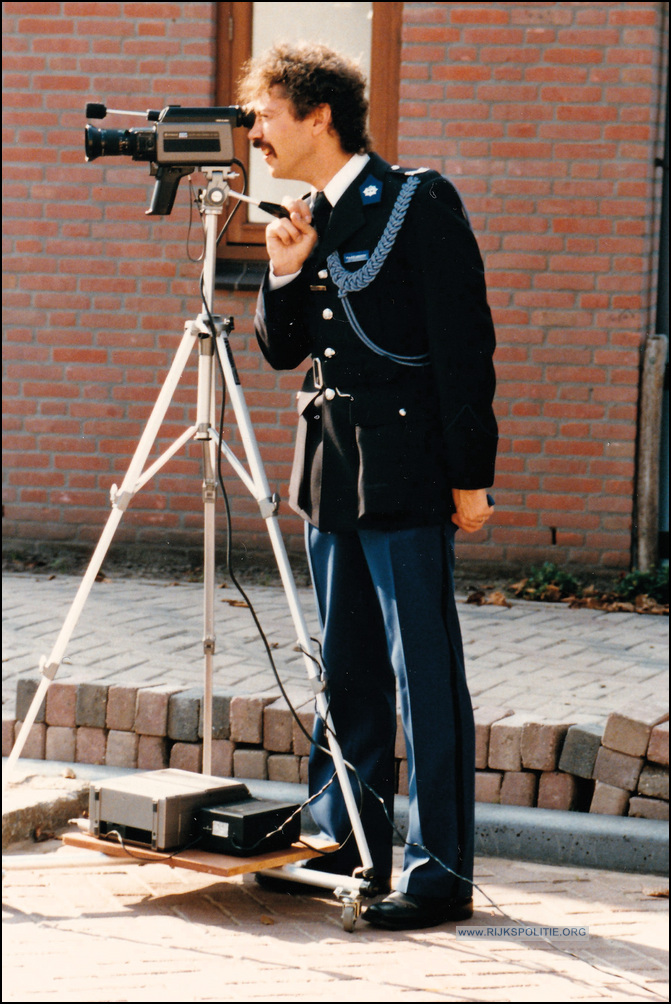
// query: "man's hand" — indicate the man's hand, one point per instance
point(473, 509)
point(289, 242)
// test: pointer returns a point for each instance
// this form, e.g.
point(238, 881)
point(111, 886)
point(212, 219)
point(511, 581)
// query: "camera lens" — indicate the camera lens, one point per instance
point(140, 144)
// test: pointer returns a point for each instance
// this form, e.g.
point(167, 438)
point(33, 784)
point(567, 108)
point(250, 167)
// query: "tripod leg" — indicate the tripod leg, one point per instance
point(49, 667)
point(268, 510)
point(209, 500)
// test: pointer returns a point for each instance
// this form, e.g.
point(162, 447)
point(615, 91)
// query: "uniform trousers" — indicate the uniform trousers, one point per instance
point(389, 619)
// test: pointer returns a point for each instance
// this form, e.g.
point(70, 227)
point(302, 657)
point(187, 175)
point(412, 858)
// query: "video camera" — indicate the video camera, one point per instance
point(182, 140)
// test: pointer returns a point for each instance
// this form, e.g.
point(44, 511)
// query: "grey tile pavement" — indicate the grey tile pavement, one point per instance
point(540, 658)
point(128, 933)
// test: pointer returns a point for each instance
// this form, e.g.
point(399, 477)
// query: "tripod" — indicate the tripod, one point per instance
point(211, 333)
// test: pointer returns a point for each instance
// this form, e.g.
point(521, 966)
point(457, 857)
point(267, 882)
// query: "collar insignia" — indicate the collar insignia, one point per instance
point(371, 190)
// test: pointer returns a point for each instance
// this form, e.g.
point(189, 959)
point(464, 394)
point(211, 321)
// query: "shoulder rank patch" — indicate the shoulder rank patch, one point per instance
point(371, 190)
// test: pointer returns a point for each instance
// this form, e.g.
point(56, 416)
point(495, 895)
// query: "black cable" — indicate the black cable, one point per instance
point(148, 861)
point(193, 200)
point(237, 201)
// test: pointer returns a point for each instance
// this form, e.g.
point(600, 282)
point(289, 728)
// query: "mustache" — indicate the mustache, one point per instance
point(260, 145)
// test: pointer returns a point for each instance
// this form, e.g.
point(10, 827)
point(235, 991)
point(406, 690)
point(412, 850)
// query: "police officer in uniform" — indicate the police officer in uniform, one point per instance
point(376, 279)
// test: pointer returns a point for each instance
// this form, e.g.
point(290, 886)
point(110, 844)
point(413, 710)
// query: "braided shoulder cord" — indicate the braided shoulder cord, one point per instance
point(354, 282)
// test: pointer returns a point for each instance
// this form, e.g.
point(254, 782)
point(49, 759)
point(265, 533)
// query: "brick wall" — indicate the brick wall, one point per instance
point(545, 115)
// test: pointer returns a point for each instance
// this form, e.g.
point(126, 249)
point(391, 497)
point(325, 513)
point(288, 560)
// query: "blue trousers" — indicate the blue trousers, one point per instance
point(389, 619)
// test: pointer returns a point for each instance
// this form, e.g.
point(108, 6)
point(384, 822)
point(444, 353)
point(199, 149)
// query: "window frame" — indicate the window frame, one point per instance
point(234, 45)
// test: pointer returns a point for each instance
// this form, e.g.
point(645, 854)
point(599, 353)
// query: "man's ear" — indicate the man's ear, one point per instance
point(321, 119)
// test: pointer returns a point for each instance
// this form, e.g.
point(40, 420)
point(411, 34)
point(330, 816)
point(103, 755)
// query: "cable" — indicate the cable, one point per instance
point(237, 202)
point(193, 200)
point(145, 861)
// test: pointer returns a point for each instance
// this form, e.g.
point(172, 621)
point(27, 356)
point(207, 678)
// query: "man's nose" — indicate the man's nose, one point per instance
point(255, 131)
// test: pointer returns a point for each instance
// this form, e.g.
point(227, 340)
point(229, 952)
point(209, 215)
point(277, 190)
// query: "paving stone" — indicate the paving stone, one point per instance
point(90, 747)
point(284, 767)
point(484, 719)
point(222, 757)
point(519, 788)
point(403, 777)
point(121, 703)
point(121, 749)
point(35, 744)
point(658, 747)
point(609, 800)
point(628, 730)
point(277, 727)
point(505, 742)
point(303, 769)
point(221, 715)
point(649, 808)
point(617, 769)
point(580, 749)
point(252, 764)
point(151, 712)
point(25, 691)
point(184, 715)
point(187, 756)
point(301, 743)
point(7, 735)
point(91, 710)
point(61, 743)
point(654, 781)
point(557, 791)
point(247, 718)
point(542, 743)
point(152, 753)
point(488, 786)
point(62, 705)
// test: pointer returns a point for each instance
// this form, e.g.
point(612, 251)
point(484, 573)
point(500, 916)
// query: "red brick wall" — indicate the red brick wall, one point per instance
point(545, 115)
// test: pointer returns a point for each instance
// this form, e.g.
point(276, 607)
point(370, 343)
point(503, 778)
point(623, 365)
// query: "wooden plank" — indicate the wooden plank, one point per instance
point(204, 861)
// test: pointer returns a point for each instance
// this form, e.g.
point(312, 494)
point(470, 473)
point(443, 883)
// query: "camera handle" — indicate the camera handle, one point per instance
point(254, 477)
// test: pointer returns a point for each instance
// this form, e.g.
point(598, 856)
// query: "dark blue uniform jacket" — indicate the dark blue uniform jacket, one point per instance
point(380, 444)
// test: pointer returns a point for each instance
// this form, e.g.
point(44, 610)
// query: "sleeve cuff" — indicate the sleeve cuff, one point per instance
point(277, 281)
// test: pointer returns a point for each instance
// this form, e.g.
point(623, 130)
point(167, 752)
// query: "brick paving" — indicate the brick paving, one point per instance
point(129, 933)
point(575, 665)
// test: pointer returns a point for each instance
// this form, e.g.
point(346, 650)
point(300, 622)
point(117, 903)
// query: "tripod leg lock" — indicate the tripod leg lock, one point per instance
point(209, 644)
point(48, 671)
point(209, 491)
point(120, 500)
point(270, 506)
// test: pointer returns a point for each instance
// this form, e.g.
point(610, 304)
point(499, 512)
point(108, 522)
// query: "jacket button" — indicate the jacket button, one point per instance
point(323, 273)
point(329, 353)
point(329, 393)
point(327, 314)
point(402, 412)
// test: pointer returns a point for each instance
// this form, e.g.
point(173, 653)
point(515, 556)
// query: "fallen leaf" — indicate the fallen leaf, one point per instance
point(235, 603)
point(517, 587)
point(657, 892)
point(265, 919)
point(478, 597)
point(497, 599)
point(50, 577)
point(40, 835)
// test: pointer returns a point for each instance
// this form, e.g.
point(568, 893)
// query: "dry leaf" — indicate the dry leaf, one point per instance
point(497, 599)
point(40, 835)
point(657, 892)
point(265, 919)
point(235, 603)
point(478, 597)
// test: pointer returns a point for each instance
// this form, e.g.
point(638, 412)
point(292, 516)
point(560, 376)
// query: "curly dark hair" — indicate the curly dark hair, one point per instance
point(311, 75)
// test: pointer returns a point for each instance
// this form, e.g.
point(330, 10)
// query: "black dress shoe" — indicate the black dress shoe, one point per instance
point(402, 911)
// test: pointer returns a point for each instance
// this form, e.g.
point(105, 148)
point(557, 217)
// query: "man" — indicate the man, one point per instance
point(377, 276)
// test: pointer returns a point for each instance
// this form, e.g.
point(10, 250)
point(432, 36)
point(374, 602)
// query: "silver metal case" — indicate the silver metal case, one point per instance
point(157, 808)
point(196, 143)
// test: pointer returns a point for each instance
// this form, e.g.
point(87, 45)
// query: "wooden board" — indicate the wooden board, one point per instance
point(204, 861)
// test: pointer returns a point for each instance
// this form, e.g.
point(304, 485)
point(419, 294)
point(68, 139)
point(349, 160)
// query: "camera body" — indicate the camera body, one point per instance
point(181, 140)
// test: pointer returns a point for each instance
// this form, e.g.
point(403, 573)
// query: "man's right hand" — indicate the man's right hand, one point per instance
point(290, 241)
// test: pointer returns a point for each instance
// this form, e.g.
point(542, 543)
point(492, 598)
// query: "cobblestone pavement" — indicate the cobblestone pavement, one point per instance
point(537, 658)
point(129, 933)
point(532, 657)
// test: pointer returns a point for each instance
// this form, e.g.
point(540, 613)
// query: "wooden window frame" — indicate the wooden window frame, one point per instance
point(234, 45)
